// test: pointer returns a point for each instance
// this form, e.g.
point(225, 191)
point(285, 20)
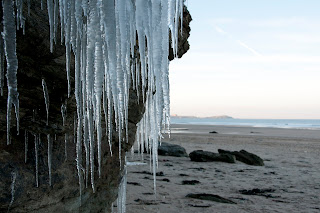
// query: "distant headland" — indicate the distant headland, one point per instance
point(212, 117)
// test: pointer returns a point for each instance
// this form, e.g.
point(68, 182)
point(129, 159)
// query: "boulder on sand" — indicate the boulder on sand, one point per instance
point(205, 156)
point(245, 157)
point(168, 149)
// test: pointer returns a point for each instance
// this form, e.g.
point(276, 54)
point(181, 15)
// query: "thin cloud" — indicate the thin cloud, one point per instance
point(248, 48)
point(221, 31)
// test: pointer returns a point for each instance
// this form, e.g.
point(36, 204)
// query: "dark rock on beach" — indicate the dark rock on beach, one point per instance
point(150, 173)
point(245, 157)
point(256, 191)
point(199, 206)
point(168, 149)
point(205, 156)
point(134, 183)
point(164, 179)
point(190, 182)
point(211, 197)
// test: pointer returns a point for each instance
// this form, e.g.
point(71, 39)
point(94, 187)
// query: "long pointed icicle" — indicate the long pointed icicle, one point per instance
point(36, 151)
point(1, 66)
point(46, 98)
point(49, 159)
point(99, 77)
point(50, 7)
point(9, 37)
point(79, 111)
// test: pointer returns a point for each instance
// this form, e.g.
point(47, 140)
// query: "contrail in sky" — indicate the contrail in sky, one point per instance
point(221, 31)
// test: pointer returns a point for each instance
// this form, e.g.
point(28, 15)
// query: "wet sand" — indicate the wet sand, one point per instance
point(291, 172)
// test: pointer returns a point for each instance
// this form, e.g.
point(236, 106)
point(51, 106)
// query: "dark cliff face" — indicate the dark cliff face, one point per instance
point(37, 63)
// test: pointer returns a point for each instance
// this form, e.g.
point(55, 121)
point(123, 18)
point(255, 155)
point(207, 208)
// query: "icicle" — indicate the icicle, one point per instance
point(112, 207)
point(79, 155)
point(68, 50)
point(121, 201)
point(91, 145)
point(25, 145)
point(13, 190)
point(106, 105)
point(46, 98)
point(73, 27)
point(78, 97)
point(86, 146)
point(63, 113)
point(98, 82)
point(49, 158)
point(28, 1)
point(1, 66)
point(9, 37)
point(61, 15)
point(19, 14)
point(36, 145)
point(74, 128)
point(50, 8)
point(67, 28)
point(55, 20)
point(110, 39)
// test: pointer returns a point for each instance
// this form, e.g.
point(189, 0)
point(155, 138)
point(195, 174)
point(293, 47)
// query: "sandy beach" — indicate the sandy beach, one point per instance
point(291, 174)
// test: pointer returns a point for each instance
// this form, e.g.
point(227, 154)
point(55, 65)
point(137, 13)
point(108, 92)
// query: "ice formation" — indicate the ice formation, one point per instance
point(104, 35)
point(9, 38)
point(36, 151)
point(121, 201)
point(46, 98)
point(49, 158)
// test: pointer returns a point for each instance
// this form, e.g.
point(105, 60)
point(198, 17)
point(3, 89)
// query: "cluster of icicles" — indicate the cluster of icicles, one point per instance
point(102, 35)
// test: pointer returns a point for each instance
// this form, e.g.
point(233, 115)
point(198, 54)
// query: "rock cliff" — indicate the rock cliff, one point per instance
point(18, 191)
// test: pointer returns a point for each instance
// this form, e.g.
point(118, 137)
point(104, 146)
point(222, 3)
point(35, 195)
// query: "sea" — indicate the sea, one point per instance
point(273, 123)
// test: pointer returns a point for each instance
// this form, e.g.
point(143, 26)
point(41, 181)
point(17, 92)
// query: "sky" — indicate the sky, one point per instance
point(250, 59)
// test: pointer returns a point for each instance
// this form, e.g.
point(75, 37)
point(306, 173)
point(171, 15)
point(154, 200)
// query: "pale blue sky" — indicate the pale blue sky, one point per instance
point(250, 59)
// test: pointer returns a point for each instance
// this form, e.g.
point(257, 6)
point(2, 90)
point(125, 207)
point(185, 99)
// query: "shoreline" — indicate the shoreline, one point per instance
point(272, 123)
point(244, 130)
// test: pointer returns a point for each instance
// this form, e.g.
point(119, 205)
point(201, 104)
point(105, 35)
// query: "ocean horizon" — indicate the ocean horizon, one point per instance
point(272, 123)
